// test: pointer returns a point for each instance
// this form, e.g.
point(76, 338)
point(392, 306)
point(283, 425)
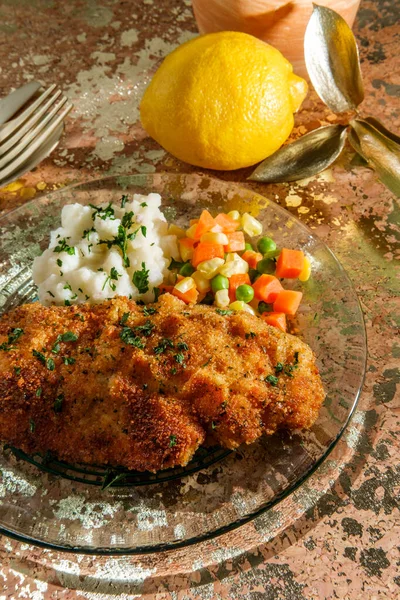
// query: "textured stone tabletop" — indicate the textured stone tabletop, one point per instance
point(345, 541)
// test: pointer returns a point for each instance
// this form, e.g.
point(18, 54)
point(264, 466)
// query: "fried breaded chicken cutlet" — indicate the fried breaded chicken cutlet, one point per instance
point(142, 386)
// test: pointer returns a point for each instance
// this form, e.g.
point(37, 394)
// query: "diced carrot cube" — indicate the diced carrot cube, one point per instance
point(290, 263)
point(252, 258)
point(205, 251)
point(165, 288)
point(267, 288)
point(275, 319)
point(227, 224)
point(190, 297)
point(206, 223)
point(235, 281)
point(288, 302)
point(236, 242)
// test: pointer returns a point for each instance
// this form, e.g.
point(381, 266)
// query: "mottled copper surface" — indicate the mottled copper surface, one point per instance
point(344, 542)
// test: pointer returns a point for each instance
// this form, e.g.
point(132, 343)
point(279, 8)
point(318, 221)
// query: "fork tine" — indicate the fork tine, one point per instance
point(10, 127)
point(13, 139)
point(39, 140)
point(33, 133)
point(34, 159)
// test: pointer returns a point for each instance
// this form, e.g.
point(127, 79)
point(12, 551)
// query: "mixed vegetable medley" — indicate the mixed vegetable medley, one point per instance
point(220, 267)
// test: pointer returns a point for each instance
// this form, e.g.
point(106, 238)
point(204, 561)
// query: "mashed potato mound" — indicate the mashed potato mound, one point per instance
point(104, 251)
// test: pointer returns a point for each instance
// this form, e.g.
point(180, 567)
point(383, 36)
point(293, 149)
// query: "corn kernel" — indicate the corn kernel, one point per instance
point(203, 285)
point(186, 252)
point(222, 298)
point(175, 230)
point(234, 265)
point(234, 214)
point(191, 231)
point(250, 225)
point(215, 238)
point(306, 270)
point(185, 284)
point(209, 268)
point(238, 306)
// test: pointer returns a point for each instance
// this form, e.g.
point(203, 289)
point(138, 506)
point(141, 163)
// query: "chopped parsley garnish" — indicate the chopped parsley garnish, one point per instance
point(173, 371)
point(182, 346)
point(143, 204)
point(32, 426)
point(272, 380)
point(59, 262)
point(179, 358)
point(56, 347)
point(103, 212)
point(58, 403)
point(163, 346)
point(214, 425)
point(224, 311)
point(62, 246)
point(68, 336)
point(67, 303)
point(143, 229)
point(148, 310)
point(172, 441)
point(127, 221)
point(50, 293)
point(39, 356)
point(67, 286)
point(17, 370)
point(86, 234)
point(251, 334)
point(145, 329)
point(175, 264)
point(124, 200)
point(38, 392)
point(68, 360)
point(122, 237)
point(129, 337)
point(50, 364)
point(141, 279)
point(125, 317)
point(111, 478)
point(157, 293)
point(113, 276)
point(13, 336)
point(287, 369)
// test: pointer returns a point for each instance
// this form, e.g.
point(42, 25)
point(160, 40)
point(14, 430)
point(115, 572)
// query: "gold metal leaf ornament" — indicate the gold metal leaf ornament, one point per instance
point(332, 61)
point(307, 156)
point(380, 151)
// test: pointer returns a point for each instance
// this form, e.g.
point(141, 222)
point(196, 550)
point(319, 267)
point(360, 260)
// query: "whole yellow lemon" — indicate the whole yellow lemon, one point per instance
point(222, 101)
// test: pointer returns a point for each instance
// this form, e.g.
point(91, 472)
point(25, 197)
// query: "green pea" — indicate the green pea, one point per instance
point(265, 245)
point(248, 246)
point(264, 307)
point(244, 293)
point(186, 269)
point(219, 282)
point(254, 275)
point(266, 265)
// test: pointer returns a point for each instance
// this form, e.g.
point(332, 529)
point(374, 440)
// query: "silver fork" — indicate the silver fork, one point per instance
point(27, 139)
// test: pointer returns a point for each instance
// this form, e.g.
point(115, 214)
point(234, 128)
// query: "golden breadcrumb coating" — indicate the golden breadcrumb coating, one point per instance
point(143, 386)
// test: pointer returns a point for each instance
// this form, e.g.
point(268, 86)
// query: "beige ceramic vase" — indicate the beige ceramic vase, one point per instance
point(281, 24)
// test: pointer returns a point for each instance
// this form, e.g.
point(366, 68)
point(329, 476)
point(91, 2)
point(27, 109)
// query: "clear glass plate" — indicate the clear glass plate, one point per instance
point(63, 506)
